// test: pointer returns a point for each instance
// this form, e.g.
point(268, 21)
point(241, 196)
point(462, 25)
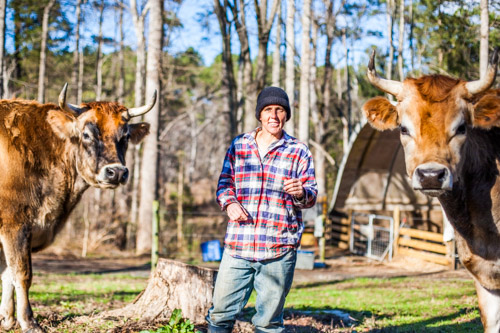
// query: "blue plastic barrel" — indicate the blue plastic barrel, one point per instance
point(211, 250)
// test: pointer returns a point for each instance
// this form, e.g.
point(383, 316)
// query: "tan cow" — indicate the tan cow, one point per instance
point(451, 139)
point(49, 155)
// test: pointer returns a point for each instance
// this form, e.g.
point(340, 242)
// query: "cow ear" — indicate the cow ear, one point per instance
point(138, 132)
point(381, 114)
point(63, 124)
point(487, 111)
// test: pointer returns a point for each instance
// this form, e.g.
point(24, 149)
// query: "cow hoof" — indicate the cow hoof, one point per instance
point(35, 328)
point(7, 323)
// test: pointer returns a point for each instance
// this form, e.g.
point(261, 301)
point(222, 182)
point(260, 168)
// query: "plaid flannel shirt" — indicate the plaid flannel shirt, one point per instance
point(274, 224)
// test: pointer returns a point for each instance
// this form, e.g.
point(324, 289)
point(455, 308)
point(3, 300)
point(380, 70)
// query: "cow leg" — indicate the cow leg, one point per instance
point(17, 249)
point(489, 307)
point(7, 306)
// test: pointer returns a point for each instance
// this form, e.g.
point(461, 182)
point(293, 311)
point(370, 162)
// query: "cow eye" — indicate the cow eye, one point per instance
point(404, 130)
point(461, 129)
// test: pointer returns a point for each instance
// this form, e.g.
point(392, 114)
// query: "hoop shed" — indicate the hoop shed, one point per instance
point(372, 176)
point(372, 179)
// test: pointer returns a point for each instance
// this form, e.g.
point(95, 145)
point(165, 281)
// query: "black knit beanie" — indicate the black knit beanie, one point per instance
point(272, 96)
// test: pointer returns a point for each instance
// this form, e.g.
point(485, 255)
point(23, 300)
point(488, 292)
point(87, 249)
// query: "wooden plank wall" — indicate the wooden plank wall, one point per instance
point(424, 245)
point(339, 228)
point(416, 243)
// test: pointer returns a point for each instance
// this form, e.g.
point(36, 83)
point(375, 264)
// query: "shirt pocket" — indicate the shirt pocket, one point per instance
point(279, 174)
point(285, 166)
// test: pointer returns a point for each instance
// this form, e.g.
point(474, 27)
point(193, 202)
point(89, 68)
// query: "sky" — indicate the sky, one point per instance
point(207, 40)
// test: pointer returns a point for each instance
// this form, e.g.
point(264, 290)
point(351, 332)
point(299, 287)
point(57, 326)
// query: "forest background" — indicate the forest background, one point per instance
point(208, 60)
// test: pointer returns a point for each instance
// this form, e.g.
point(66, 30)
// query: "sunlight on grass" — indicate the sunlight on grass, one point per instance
point(402, 304)
point(69, 291)
point(392, 305)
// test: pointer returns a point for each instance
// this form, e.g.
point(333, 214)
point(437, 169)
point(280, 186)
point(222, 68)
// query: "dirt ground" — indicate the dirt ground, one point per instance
point(339, 266)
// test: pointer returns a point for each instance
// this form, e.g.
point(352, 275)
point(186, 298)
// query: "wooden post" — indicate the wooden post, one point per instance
point(180, 199)
point(155, 241)
point(450, 246)
point(397, 219)
point(349, 229)
point(322, 241)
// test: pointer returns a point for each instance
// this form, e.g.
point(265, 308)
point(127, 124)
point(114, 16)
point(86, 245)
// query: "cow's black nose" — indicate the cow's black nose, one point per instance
point(116, 174)
point(432, 178)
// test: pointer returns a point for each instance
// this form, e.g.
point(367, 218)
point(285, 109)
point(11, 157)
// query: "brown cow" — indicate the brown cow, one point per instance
point(451, 139)
point(49, 156)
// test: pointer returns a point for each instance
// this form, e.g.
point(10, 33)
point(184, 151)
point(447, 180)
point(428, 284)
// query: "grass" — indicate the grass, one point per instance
point(398, 304)
point(66, 303)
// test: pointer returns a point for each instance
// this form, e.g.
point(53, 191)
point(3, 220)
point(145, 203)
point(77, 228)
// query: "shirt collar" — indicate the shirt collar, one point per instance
point(285, 138)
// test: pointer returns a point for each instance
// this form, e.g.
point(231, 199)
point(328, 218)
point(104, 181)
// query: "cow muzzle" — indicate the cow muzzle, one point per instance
point(432, 179)
point(113, 175)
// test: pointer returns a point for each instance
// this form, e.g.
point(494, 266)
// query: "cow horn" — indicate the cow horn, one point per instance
point(389, 86)
point(138, 111)
point(476, 87)
point(66, 106)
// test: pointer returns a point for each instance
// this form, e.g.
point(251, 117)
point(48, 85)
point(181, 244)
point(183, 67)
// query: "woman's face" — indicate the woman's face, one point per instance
point(273, 118)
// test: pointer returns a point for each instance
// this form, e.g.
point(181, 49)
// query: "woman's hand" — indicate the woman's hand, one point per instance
point(294, 187)
point(236, 212)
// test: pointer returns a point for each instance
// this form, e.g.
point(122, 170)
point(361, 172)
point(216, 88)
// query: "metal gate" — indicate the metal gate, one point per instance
point(372, 235)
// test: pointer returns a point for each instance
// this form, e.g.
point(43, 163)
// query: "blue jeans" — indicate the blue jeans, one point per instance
point(237, 278)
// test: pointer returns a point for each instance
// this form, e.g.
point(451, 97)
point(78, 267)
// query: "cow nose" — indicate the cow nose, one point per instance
point(432, 176)
point(116, 174)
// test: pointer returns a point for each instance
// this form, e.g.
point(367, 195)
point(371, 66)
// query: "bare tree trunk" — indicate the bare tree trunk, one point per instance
point(81, 66)
point(305, 73)
point(7, 73)
point(149, 168)
point(76, 52)
point(410, 39)
point(121, 60)
point(401, 38)
point(228, 81)
point(3, 6)
point(240, 113)
point(99, 57)
point(277, 53)
point(123, 194)
point(253, 86)
point(290, 63)
point(319, 158)
point(339, 84)
point(483, 46)
point(327, 78)
point(180, 199)
point(346, 119)
point(264, 25)
point(248, 91)
point(440, 48)
point(134, 193)
point(389, 17)
point(138, 18)
point(43, 51)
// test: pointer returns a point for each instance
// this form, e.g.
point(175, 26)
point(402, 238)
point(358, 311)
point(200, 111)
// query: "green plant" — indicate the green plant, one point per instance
point(176, 324)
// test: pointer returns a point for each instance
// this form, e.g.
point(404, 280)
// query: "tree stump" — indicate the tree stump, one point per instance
point(173, 285)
